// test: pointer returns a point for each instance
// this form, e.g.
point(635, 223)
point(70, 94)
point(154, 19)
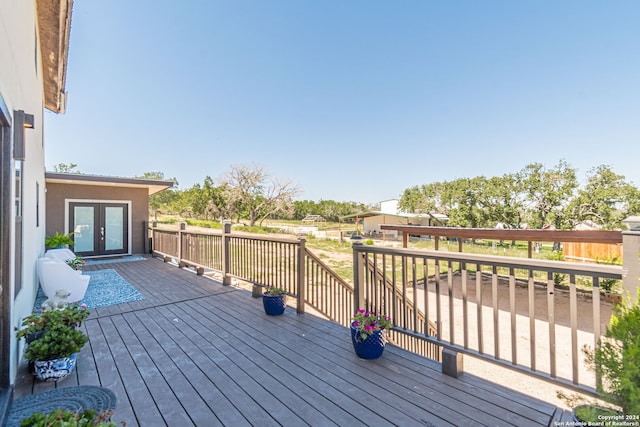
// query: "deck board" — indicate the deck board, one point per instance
point(194, 352)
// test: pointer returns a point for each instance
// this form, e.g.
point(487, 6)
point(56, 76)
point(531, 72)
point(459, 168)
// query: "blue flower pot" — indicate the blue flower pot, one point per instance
point(54, 369)
point(274, 304)
point(370, 348)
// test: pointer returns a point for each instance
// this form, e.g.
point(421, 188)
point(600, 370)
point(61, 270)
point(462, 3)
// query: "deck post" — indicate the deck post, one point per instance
point(226, 254)
point(452, 363)
point(302, 253)
point(358, 278)
point(183, 227)
point(631, 257)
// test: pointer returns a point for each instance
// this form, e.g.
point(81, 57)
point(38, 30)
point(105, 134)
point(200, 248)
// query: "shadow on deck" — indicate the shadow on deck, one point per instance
point(196, 353)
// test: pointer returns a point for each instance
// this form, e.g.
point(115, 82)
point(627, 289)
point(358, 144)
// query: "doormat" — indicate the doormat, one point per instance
point(127, 258)
point(106, 287)
point(77, 398)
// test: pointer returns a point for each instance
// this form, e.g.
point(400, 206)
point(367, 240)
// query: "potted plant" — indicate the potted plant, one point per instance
point(76, 263)
point(58, 240)
point(67, 418)
point(54, 353)
point(368, 333)
point(53, 335)
point(274, 300)
point(34, 325)
point(616, 360)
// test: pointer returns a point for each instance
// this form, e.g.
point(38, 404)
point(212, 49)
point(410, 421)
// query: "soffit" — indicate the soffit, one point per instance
point(54, 26)
point(153, 186)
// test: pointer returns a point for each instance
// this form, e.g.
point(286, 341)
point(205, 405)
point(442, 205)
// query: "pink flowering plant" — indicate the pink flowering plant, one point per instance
point(367, 322)
point(76, 263)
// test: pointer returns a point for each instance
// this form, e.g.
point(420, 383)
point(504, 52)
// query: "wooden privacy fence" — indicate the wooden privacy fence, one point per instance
point(505, 310)
point(593, 252)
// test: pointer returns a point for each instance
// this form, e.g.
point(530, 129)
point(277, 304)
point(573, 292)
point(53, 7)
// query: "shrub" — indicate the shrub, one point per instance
point(616, 358)
point(73, 315)
point(66, 418)
point(58, 341)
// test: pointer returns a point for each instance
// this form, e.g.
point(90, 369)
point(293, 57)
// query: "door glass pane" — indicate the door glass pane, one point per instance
point(83, 227)
point(114, 228)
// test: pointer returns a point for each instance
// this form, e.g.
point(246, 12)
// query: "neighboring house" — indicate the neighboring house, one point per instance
point(34, 40)
point(389, 213)
point(108, 215)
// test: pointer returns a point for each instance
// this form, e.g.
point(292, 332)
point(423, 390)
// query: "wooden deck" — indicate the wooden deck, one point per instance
point(196, 353)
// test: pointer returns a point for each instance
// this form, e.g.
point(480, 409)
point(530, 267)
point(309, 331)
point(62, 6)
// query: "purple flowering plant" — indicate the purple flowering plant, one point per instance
point(367, 322)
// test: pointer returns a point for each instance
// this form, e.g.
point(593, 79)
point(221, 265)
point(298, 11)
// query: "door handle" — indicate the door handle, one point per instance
point(101, 233)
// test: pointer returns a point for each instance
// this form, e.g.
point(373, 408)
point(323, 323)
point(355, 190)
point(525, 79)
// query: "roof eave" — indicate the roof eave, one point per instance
point(152, 185)
point(54, 28)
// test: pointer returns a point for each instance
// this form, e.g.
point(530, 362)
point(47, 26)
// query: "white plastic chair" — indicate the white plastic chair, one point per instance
point(63, 254)
point(55, 274)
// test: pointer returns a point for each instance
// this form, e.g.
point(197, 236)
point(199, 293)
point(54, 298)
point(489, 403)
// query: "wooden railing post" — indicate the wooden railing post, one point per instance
point(301, 279)
point(631, 257)
point(154, 224)
point(226, 253)
point(183, 227)
point(358, 277)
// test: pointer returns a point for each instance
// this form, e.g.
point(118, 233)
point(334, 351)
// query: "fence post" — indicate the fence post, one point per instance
point(358, 277)
point(631, 260)
point(226, 253)
point(183, 227)
point(302, 254)
point(154, 225)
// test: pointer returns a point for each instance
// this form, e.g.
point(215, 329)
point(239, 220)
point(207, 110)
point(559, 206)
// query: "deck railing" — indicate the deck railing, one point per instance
point(261, 261)
point(518, 318)
point(488, 321)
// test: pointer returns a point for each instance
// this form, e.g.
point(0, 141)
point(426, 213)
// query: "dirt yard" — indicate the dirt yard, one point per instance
point(525, 383)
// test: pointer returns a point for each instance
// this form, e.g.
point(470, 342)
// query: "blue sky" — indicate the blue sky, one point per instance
point(352, 100)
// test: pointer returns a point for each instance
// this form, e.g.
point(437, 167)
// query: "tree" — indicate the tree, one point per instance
point(606, 199)
point(250, 188)
point(162, 199)
point(464, 196)
point(502, 201)
point(65, 168)
point(548, 192)
point(421, 199)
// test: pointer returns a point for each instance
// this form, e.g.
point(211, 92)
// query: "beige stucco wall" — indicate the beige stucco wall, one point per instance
point(58, 195)
point(21, 88)
point(372, 223)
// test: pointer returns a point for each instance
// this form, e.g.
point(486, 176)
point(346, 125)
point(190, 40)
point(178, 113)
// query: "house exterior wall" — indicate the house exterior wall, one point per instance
point(21, 88)
point(389, 206)
point(372, 224)
point(58, 194)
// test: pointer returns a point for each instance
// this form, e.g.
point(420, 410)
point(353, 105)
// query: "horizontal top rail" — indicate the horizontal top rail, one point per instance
point(602, 270)
point(234, 234)
point(586, 236)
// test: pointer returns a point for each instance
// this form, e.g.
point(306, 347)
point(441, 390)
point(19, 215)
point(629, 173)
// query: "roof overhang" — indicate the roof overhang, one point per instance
point(152, 185)
point(367, 214)
point(54, 26)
